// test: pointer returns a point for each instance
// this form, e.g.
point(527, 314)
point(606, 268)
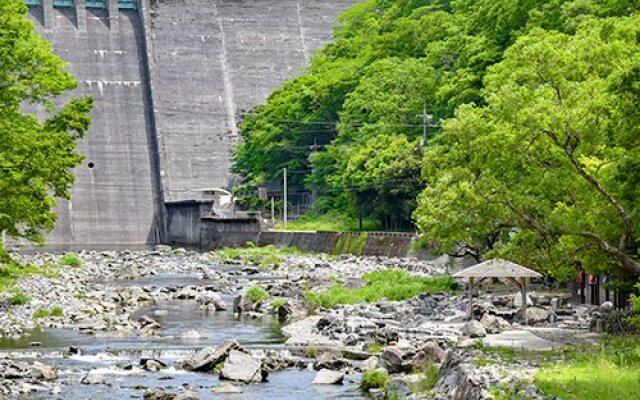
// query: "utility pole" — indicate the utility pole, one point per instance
point(285, 196)
point(426, 120)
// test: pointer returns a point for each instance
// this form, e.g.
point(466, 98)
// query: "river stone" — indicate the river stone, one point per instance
point(392, 359)
point(220, 305)
point(474, 329)
point(490, 323)
point(328, 377)
point(188, 395)
point(327, 360)
point(429, 353)
point(152, 365)
point(242, 367)
point(537, 315)
point(207, 358)
point(158, 394)
point(192, 335)
point(93, 378)
point(46, 372)
point(369, 364)
point(226, 388)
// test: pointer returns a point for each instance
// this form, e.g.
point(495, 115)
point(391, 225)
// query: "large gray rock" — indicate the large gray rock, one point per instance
point(474, 329)
point(207, 358)
point(393, 359)
point(327, 360)
point(369, 364)
point(536, 315)
point(490, 323)
point(242, 367)
point(328, 377)
point(158, 394)
point(428, 354)
point(455, 382)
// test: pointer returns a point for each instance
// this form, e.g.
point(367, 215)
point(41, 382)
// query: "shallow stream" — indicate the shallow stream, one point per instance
point(116, 359)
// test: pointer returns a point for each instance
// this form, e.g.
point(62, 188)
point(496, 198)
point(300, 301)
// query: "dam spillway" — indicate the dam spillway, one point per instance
point(171, 80)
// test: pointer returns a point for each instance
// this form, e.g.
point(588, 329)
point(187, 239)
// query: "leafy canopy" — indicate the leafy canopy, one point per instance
point(546, 172)
point(36, 155)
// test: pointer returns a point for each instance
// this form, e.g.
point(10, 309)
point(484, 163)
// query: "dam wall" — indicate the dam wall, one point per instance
point(171, 79)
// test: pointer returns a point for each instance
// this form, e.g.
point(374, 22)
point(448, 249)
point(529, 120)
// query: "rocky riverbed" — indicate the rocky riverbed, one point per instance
point(171, 324)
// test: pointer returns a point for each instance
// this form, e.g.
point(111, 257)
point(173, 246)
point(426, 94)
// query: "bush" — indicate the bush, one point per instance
point(428, 379)
point(256, 293)
point(376, 379)
point(277, 303)
point(71, 260)
point(57, 312)
point(392, 284)
point(19, 299)
point(41, 313)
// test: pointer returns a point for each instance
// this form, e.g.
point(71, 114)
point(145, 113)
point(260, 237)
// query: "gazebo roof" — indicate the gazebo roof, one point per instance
point(497, 268)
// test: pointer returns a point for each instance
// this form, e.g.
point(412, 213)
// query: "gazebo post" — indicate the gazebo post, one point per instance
point(470, 306)
point(523, 290)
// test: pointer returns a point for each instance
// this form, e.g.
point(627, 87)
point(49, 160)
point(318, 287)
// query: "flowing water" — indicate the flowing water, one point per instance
point(116, 359)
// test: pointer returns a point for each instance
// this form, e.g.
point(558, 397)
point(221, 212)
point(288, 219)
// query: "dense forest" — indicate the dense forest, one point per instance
point(531, 147)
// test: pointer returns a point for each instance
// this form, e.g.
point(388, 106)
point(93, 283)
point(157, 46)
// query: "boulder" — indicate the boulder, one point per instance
point(220, 305)
point(327, 360)
point(242, 367)
point(158, 394)
point(428, 354)
point(474, 329)
point(45, 372)
point(226, 389)
point(369, 364)
point(150, 364)
point(93, 378)
point(207, 358)
point(188, 395)
point(490, 323)
point(328, 377)
point(536, 315)
point(393, 360)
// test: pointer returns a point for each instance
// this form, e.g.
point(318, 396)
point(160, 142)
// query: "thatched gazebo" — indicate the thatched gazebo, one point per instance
point(501, 269)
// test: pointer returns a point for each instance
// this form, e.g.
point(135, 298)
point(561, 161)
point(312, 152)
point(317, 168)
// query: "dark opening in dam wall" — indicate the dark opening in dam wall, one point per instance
point(172, 80)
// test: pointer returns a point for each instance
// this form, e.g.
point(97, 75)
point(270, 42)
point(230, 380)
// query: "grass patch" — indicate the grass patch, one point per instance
point(256, 293)
point(11, 271)
point(611, 372)
point(376, 379)
point(331, 221)
point(277, 303)
point(350, 244)
point(392, 284)
point(41, 313)
point(19, 299)
point(427, 380)
point(56, 312)
point(263, 256)
point(71, 260)
point(375, 348)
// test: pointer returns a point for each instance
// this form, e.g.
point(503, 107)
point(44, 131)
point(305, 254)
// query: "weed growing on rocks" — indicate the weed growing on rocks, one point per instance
point(256, 293)
point(71, 260)
point(18, 299)
point(376, 379)
point(392, 284)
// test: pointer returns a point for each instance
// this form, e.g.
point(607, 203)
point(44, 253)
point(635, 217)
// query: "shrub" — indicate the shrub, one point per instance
point(277, 303)
point(428, 379)
point(71, 260)
point(57, 312)
point(375, 348)
point(19, 299)
point(376, 379)
point(41, 313)
point(256, 293)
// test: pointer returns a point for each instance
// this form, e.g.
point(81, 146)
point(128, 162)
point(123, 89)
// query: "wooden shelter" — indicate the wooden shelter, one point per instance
point(501, 269)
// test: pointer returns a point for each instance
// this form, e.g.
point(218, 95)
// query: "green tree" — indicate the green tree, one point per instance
point(36, 155)
point(547, 171)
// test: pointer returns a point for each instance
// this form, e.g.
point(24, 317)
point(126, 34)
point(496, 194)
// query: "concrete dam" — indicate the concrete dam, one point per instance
point(171, 80)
